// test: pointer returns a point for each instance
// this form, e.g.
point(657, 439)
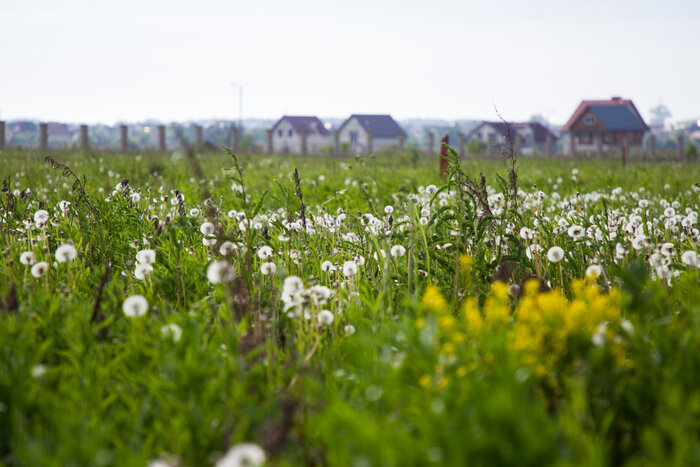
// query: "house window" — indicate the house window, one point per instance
point(290, 133)
point(589, 120)
point(608, 137)
point(279, 133)
point(353, 137)
point(585, 138)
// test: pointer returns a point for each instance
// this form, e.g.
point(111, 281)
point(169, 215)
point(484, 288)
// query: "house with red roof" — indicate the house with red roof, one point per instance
point(299, 135)
point(533, 135)
point(604, 125)
point(368, 133)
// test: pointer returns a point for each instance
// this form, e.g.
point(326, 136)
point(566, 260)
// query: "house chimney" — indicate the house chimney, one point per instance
point(616, 98)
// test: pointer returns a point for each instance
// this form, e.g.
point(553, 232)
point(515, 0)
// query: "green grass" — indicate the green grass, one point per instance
point(426, 361)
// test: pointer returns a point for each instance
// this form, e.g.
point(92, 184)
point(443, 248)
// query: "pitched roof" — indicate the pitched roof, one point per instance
point(539, 131)
point(381, 126)
point(615, 114)
point(305, 123)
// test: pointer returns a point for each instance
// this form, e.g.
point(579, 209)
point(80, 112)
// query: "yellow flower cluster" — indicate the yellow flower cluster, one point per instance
point(433, 299)
point(547, 325)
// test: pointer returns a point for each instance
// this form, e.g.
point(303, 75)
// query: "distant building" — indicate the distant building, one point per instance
point(601, 125)
point(385, 132)
point(287, 135)
point(533, 136)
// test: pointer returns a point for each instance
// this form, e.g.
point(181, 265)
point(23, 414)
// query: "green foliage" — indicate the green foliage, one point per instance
point(403, 374)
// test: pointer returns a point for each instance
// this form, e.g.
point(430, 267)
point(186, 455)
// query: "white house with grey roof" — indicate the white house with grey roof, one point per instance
point(299, 135)
point(369, 133)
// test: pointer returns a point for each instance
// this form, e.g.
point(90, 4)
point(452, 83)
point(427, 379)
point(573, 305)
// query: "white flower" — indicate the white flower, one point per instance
point(397, 251)
point(532, 250)
point(320, 294)
point(220, 271)
point(349, 268)
point(207, 228)
point(576, 231)
point(327, 266)
point(593, 271)
point(194, 212)
point(388, 209)
point(227, 248)
point(599, 337)
point(243, 455)
point(27, 258)
point(689, 258)
point(325, 317)
point(430, 189)
point(349, 329)
point(40, 268)
point(146, 256)
point(292, 285)
point(265, 252)
point(172, 330)
point(41, 216)
point(38, 370)
point(142, 270)
point(555, 254)
point(638, 242)
point(65, 253)
point(135, 306)
point(268, 268)
point(135, 197)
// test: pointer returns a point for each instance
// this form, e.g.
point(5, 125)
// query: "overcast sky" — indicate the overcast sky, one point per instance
point(98, 61)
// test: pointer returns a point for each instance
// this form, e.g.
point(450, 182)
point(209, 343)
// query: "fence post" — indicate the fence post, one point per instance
point(572, 145)
point(198, 138)
point(548, 143)
point(490, 143)
point(679, 148)
point(234, 139)
point(43, 137)
point(370, 141)
point(304, 147)
point(518, 143)
point(336, 142)
point(652, 147)
point(84, 142)
point(460, 145)
point(429, 151)
point(124, 138)
point(161, 138)
point(2, 135)
point(269, 141)
point(599, 145)
point(400, 142)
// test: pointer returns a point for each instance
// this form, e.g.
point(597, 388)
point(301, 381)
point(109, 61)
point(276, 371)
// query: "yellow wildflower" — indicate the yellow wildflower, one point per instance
point(433, 299)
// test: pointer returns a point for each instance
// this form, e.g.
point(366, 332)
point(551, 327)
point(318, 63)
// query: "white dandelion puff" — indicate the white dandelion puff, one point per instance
point(172, 330)
point(349, 268)
point(555, 254)
point(325, 317)
point(65, 253)
point(398, 251)
point(27, 258)
point(146, 256)
point(220, 271)
point(40, 268)
point(243, 455)
point(207, 228)
point(265, 252)
point(135, 306)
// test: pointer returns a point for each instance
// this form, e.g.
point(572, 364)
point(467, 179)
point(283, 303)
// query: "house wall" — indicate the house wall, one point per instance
point(354, 126)
point(286, 144)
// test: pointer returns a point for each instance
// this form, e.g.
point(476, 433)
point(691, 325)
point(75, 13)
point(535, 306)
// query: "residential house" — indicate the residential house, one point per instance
point(299, 135)
point(603, 125)
point(368, 133)
point(530, 136)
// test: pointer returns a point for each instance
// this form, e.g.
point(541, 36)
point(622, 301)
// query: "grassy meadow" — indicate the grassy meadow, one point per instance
point(177, 310)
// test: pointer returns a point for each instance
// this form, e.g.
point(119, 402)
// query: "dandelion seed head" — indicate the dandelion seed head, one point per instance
point(40, 268)
point(325, 317)
point(267, 269)
point(219, 272)
point(28, 258)
point(243, 455)
point(349, 268)
point(555, 254)
point(135, 306)
point(146, 256)
point(65, 253)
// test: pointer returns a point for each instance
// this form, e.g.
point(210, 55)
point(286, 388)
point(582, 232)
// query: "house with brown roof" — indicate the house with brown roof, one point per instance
point(604, 125)
point(299, 135)
point(532, 135)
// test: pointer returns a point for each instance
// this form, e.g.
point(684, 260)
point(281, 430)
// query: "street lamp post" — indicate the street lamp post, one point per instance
point(240, 107)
